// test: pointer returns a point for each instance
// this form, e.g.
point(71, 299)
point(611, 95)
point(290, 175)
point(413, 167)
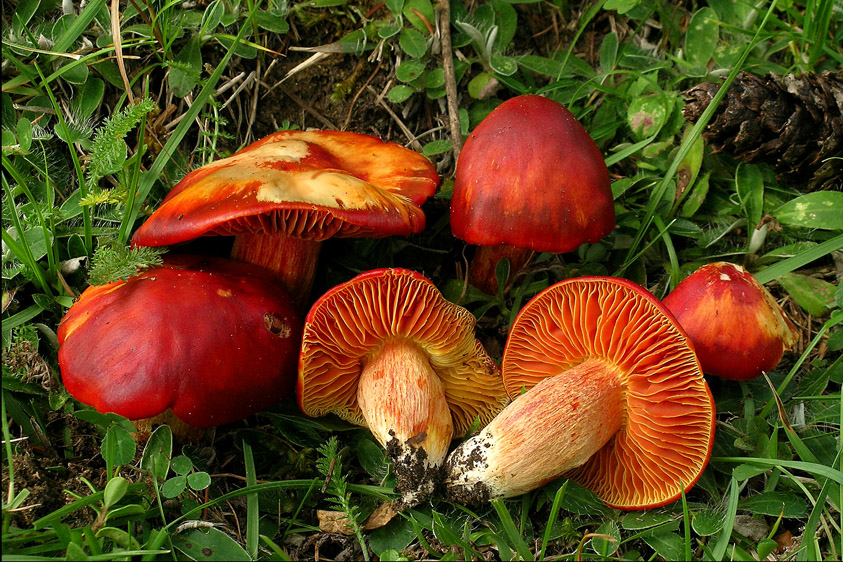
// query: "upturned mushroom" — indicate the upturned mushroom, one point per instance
point(386, 351)
point(613, 398)
point(284, 194)
point(204, 340)
point(529, 178)
point(738, 329)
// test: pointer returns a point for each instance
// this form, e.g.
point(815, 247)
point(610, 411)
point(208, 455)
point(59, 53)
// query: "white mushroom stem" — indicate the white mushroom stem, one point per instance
point(555, 427)
point(405, 407)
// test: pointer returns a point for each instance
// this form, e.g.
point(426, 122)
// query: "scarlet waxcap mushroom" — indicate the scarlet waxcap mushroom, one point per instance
point(738, 329)
point(283, 194)
point(529, 177)
point(211, 340)
point(615, 400)
point(386, 351)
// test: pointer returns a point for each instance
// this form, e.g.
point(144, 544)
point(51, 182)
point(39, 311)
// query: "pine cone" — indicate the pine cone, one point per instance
point(795, 124)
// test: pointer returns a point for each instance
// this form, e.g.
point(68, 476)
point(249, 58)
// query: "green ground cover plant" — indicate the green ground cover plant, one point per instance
point(106, 105)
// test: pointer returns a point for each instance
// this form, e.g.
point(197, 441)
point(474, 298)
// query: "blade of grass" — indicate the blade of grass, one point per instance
point(791, 264)
point(830, 323)
point(686, 520)
point(658, 193)
point(810, 467)
point(78, 25)
point(722, 543)
point(671, 252)
point(252, 514)
point(20, 247)
point(77, 166)
point(511, 531)
point(148, 179)
point(551, 520)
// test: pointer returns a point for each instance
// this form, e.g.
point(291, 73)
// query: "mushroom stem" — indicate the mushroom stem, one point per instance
point(404, 404)
point(481, 274)
point(293, 260)
point(555, 427)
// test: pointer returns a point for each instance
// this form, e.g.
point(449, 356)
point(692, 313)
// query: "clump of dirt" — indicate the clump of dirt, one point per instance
point(50, 476)
point(468, 457)
point(417, 478)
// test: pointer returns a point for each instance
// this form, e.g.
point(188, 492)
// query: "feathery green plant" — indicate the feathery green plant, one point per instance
point(336, 487)
point(113, 262)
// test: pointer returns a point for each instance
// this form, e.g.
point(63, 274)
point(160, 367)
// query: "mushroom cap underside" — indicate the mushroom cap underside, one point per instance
point(211, 340)
point(353, 320)
point(308, 184)
point(666, 437)
point(530, 176)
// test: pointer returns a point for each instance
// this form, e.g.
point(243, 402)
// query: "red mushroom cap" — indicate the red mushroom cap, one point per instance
point(738, 329)
point(211, 340)
point(530, 176)
point(307, 184)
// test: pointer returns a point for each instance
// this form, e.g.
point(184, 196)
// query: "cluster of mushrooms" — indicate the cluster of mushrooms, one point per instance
point(599, 380)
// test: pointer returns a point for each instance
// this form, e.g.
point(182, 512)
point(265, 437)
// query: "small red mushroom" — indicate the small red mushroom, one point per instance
point(614, 399)
point(529, 178)
point(209, 340)
point(738, 329)
point(284, 194)
point(386, 351)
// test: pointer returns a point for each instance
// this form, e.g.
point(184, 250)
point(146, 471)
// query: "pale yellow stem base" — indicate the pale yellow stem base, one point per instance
point(555, 427)
point(405, 407)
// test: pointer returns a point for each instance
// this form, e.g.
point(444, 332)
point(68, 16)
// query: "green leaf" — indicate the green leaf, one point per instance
point(409, 70)
point(24, 133)
point(158, 452)
point(814, 295)
point(606, 546)
point(702, 37)
point(413, 42)
point(118, 446)
point(503, 65)
point(272, 21)
point(646, 115)
point(773, 502)
point(400, 93)
point(749, 185)
point(88, 99)
point(372, 458)
point(181, 465)
point(436, 147)
point(199, 480)
point(24, 11)
point(707, 522)
point(397, 535)
point(174, 486)
point(186, 69)
point(420, 13)
point(114, 491)
point(820, 209)
point(212, 16)
point(669, 546)
point(209, 544)
point(638, 520)
point(609, 52)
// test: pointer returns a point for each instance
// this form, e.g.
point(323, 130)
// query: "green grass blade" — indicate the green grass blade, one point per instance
point(829, 324)
point(658, 193)
point(791, 264)
point(810, 467)
point(252, 513)
point(512, 533)
point(148, 179)
point(78, 26)
point(554, 514)
point(719, 550)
